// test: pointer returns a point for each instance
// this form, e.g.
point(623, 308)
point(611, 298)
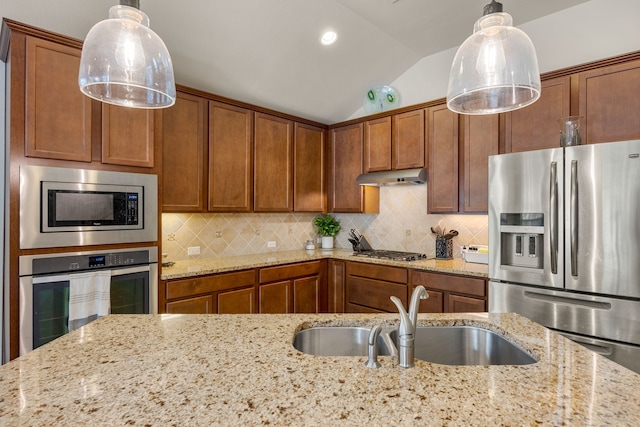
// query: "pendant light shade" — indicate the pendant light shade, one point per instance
point(125, 63)
point(496, 69)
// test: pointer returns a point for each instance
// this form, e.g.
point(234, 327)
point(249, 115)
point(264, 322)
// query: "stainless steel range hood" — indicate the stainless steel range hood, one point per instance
point(402, 177)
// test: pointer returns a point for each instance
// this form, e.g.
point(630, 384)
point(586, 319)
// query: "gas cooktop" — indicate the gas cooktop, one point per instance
point(392, 255)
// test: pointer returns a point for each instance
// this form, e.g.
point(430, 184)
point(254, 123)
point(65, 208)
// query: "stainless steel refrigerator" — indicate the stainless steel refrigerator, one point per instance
point(564, 239)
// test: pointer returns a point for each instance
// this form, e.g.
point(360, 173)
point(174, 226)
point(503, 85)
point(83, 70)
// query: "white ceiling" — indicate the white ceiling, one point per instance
point(267, 52)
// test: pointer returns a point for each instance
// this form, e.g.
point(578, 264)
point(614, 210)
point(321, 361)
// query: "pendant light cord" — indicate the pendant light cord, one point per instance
point(131, 3)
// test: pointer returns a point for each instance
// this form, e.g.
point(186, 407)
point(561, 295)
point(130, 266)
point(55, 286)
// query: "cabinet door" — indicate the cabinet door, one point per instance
point(609, 103)
point(442, 194)
point(306, 295)
point(536, 127)
point(408, 140)
point(197, 305)
point(460, 304)
point(336, 279)
point(127, 136)
point(230, 158)
point(481, 140)
point(183, 150)
point(274, 297)
point(309, 182)
point(58, 115)
point(240, 301)
point(273, 164)
point(433, 304)
point(346, 165)
point(377, 145)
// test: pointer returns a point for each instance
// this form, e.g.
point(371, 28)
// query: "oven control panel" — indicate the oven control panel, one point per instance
point(67, 263)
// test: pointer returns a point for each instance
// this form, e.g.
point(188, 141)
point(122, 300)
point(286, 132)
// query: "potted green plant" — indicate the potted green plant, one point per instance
point(327, 226)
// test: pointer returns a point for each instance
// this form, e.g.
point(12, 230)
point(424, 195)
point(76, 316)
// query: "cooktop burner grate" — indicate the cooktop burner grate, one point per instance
point(391, 255)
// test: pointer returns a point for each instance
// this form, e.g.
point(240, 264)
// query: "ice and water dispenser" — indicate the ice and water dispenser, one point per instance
point(522, 240)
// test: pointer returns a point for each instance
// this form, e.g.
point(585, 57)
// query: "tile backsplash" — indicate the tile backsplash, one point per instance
point(402, 225)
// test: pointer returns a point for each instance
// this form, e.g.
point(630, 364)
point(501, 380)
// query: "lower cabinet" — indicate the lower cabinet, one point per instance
point(293, 288)
point(219, 293)
point(450, 293)
point(369, 287)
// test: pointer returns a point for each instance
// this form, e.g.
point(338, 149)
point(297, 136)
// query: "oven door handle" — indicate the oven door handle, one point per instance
point(68, 276)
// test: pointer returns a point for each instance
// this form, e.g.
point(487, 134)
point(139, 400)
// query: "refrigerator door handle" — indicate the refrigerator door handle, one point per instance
point(574, 218)
point(553, 225)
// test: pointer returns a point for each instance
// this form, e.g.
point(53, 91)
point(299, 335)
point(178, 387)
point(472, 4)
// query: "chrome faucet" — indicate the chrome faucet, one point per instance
point(407, 330)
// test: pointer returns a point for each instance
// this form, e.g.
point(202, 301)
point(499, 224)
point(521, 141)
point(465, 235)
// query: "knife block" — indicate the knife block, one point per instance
point(444, 248)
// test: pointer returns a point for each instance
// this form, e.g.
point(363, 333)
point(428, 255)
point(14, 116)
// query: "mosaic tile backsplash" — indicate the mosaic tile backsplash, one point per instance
point(402, 225)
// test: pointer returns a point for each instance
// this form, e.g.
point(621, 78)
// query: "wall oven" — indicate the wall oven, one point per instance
point(77, 207)
point(45, 288)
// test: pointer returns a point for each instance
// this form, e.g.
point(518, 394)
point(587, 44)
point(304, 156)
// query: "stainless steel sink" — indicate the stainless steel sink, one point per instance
point(465, 345)
point(446, 345)
point(340, 341)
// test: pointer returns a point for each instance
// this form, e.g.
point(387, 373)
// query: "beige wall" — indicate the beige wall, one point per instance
point(402, 224)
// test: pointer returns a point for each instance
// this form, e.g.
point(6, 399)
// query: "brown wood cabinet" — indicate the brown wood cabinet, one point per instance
point(239, 301)
point(346, 163)
point(480, 139)
point(127, 136)
point(459, 150)
point(442, 194)
point(184, 144)
point(218, 293)
point(377, 145)
point(230, 158)
point(293, 288)
point(273, 164)
point(536, 127)
point(369, 287)
point(309, 186)
point(450, 293)
point(336, 277)
point(408, 140)
point(58, 120)
point(609, 102)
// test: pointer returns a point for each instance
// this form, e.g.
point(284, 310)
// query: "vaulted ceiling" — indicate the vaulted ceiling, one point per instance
point(267, 52)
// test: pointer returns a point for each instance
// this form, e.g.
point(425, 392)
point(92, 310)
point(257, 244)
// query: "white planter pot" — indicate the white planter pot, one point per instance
point(327, 242)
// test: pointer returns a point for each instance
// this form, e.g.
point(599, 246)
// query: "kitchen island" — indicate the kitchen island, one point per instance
point(243, 370)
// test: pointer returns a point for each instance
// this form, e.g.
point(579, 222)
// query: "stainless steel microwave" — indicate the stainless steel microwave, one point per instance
point(76, 207)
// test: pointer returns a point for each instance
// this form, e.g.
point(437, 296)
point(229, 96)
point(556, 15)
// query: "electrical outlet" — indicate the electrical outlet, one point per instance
point(193, 250)
point(271, 244)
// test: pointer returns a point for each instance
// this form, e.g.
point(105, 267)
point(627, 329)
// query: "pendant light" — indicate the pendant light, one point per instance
point(496, 69)
point(125, 63)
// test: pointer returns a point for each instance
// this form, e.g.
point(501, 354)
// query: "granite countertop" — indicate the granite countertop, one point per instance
point(204, 266)
point(243, 370)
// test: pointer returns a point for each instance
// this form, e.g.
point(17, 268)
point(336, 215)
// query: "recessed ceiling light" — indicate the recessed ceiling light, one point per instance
point(329, 37)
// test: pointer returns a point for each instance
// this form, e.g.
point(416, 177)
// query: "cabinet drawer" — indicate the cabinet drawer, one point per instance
point(378, 272)
point(375, 294)
point(450, 283)
point(291, 271)
point(208, 284)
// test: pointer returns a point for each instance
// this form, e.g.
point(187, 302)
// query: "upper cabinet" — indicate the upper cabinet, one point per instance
point(609, 102)
point(127, 136)
point(273, 164)
point(58, 120)
point(394, 142)
point(408, 141)
point(346, 163)
point(442, 193)
point(536, 127)
point(184, 144)
point(309, 186)
point(377, 145)
point(459, 150)
point(230, 158)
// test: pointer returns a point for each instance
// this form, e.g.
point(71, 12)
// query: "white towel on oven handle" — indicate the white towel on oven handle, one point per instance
point(89, 297)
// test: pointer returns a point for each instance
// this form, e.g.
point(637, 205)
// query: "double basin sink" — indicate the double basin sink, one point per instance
point(446, 345)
